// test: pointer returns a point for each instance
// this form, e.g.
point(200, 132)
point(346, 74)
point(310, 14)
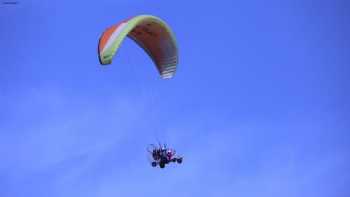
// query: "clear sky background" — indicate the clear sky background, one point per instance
point(259, 105)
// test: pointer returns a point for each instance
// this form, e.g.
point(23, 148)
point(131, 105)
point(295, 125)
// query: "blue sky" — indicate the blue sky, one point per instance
point(259, 105)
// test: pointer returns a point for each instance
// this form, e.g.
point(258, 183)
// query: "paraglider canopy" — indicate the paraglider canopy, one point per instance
point(150, 33)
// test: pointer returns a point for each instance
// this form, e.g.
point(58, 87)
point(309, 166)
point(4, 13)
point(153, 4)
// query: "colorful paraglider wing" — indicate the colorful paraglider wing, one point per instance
point(150, 33)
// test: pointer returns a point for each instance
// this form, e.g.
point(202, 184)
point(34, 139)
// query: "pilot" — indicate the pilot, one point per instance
point(169, 154)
